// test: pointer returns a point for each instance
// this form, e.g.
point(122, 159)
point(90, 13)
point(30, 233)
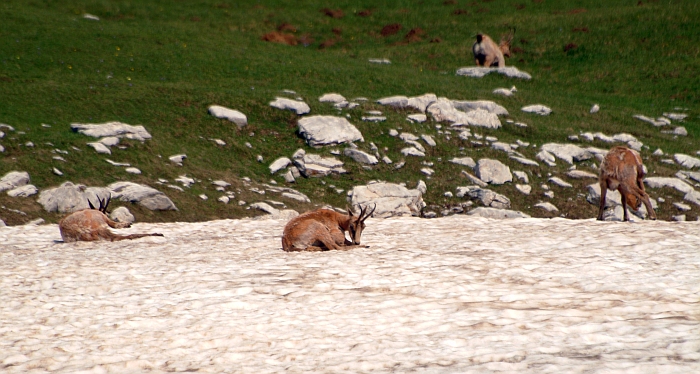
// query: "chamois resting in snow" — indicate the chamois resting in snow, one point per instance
point(324, 229)
point(93, 224)
point(622, 170)
point(488, 54)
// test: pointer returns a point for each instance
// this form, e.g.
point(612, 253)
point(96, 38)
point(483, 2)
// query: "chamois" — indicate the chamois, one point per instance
point(622, 170)
point(488, 54)
point(93, 224)
point(324, 229)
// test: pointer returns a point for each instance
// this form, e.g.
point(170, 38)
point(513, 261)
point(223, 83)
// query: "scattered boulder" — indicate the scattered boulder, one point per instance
point(299, 107)
point(23, 191)
point(465, 161)
point(595, 109)
point(312, 165)
point(428, 140)
point(651, 121)
point(478, 72)
point(526, 161)
point(360, 156)
point(146, 196)
point(232, 115)
point(390, 199)
point(109, 141)
point(122, 214)
point(493, 171)
point(177, 159)
point(412, 151)
point(328, 130)
point(675, 183)
point(486, 105)
point(14, 179)
point(494, 213)
point(69, 197)
point(117, 129)
point(422, 102)
point(524, 188)
point(547, 206)
point(487, 197)
point(567, 152)
point(100, 148)
point(394, 101)
point(687, 161)
point(483, 118)
point(505, 91)
point(265, 207)
point(419, 118)
point(559, 182)
point(279, 164)
point(537, 109)
point(580, 174)
point(332, 98)
point(473, 179)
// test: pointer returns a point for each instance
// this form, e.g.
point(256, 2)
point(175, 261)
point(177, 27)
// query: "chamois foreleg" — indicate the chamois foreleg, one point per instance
point(116, 225)
point(623, 195)
point(603, 193)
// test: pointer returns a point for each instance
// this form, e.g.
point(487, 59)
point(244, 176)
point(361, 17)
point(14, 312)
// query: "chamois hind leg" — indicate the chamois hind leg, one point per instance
point(115, 237)
point(116, 225)
point(603, 193)
point(623, 195)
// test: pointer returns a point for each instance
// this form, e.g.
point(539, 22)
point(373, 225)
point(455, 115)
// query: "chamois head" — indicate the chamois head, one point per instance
point(633, 202)
point(104, 203)
point(357, 223)
point(506, 42)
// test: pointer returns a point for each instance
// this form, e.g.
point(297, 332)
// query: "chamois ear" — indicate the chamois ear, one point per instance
point(349, 210)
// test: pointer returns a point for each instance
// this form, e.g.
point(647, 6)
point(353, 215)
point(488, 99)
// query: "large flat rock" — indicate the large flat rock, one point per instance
point(328, 130)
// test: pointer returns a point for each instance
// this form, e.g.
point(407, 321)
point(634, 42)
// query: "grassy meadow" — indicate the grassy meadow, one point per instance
point(162, 63)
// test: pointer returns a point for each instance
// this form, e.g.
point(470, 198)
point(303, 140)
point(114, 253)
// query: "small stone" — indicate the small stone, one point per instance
point(547, 206)
point(595, 108)
point(132, 170)
point(259, 158)
point(57, 172)
point(224, 199)
point(524, 188)
point(177, 159)
point(549, 194)
point(393, 132)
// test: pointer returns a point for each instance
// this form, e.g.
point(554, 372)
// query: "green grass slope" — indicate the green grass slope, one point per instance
point(162, 63)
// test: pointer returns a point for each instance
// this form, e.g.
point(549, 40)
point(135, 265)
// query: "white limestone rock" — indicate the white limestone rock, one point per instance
point(232, 115)
point(332, 98)
point(417, 118)
point(122, 214)
point(537, 109)
point(412, 151)
point(373, 119)
point(132, 170)
point(428, 140)
point(503, 92)
point(580, 174)
point(567, 152)
point(474, 180)
point(595, 109)
point(360, 156)
point(675, 183)
point(13, 180)
point(299, 107)
point(478, 72)
point(177, 159)
point(547, 206)
point(313, 165)
point(69, 197)
point(264, 207)
point(465, 161)
point(500, 146)
point(686, 160)
point(526, 161)
point(23, 191)
point(386, 160)
point(118, 129)
point(391, 199)
point(494, 213)
point(427, 171)
point(91, 17)
point(489, 106)
point(560, 182)
point(487, 197)
point(483, 118)
point(146, 196)
point(100, 148)
point(110, 141)
point(279, 164)
point(522, 176)
point(493, 171)
point(525, 189)
point(394, 101)
point(651, 121)
point(328, 130)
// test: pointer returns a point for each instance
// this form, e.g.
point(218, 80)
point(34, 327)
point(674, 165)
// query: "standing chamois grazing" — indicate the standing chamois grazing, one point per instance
point(324, 229)
point(488, 54)
point(622, 170)
point(93, 224)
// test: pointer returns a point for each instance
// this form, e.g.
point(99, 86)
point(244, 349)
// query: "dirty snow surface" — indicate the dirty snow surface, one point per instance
point(456, 294)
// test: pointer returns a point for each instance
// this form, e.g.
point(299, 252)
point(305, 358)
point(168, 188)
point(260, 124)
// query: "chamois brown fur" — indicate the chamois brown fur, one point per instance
point(488, 54)
point(324, 229)
point(93, 224)
point(622, 170)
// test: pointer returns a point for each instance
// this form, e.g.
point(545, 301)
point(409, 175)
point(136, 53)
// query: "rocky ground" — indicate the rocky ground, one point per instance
point(454, 294)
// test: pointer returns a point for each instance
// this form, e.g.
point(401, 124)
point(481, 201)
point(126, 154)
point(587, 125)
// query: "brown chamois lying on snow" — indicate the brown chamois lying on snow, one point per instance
point(324, 229)
point(93, 224)
point(622, 170)
point(488, 54)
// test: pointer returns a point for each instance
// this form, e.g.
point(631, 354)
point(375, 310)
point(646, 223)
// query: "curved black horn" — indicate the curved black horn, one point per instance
point(109, 198)
point(90, 204)
point(370, 213)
